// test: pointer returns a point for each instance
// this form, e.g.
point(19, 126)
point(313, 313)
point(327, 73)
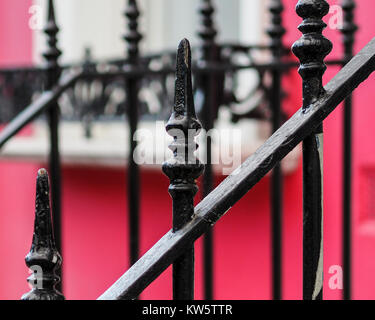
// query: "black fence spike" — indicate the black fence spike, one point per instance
point(184, 168)
point(43, 259)
point(184, 101)
point(183, 126)
point(52, 52)
point(51, 11)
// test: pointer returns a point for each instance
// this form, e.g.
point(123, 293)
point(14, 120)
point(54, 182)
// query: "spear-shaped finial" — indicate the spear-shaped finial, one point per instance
point(43, 259)
point(52, 53)
point(184, 101)
point(184, 168)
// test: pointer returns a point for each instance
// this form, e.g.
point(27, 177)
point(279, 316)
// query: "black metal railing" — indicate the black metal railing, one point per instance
point(213, 67)
point(298, 128)
point(276, 32)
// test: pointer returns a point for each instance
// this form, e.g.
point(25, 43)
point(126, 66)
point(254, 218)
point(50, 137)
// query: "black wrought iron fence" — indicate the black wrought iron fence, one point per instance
point(211, 73)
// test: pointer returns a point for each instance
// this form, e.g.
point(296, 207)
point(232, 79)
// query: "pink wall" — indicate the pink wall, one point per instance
point(94, 207)
point(15, 34)
point(363, 162)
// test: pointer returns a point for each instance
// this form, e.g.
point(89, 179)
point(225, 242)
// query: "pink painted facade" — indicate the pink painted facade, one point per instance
point(94, 203)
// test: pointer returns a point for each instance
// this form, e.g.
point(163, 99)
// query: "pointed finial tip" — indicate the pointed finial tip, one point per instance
point(184, 52)
point(184, 42)
point(51, 10)
point(42, 173)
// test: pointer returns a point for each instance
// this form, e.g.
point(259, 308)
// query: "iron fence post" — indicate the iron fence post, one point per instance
point(276, 32)
point(348, 30)
point(311, 49)
point(132, 38)
point(183, 169)
point(207, 34)
point(51, 56)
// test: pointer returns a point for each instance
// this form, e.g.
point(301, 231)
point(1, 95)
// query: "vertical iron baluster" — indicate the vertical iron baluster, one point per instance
point(133, 37)
point(311, 49)
point(52, 55)
point(276, 32)
point(44, 258)
point(184, 168)
point(207, 34)
point(348, 30)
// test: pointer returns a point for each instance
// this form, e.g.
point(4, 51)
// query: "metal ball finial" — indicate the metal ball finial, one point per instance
point(349, 27)
point(207, 30)
point(276, 29)
point(133, 36)
point(312, 48)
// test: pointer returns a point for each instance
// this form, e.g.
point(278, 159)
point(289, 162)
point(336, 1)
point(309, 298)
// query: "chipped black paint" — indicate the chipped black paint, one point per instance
point(232, 189)
point(311, 49)
point(43, 258)
point(183, 169)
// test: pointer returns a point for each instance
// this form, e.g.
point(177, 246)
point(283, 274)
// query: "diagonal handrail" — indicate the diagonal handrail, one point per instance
point(232, 189)
point(36, 108)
